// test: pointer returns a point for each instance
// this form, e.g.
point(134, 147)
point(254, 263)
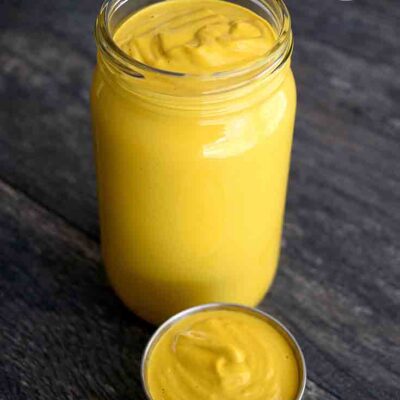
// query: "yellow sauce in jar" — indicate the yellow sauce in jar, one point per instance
point(191, 186)
point(222, 355)
point(195, 37)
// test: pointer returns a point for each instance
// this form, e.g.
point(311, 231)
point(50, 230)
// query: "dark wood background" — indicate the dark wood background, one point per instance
point(64, 335)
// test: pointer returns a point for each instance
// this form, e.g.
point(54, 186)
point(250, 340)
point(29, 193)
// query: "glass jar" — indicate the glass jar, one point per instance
point(191, 171)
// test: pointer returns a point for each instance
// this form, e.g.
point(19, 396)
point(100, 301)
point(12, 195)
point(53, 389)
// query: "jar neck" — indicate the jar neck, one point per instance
point(144, 80)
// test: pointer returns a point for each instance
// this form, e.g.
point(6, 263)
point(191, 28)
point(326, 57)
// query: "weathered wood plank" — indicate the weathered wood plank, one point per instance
point(368, 29)
point(64, 334)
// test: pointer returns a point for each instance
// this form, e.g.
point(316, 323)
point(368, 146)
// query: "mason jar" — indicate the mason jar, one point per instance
point(192, 171)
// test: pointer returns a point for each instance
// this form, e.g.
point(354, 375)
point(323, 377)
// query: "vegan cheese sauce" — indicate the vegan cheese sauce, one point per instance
point(222, 355)
point(191, 170)
point(195, 37)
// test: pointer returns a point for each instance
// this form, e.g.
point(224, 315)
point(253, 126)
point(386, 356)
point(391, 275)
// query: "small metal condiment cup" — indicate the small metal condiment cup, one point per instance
point(228, 307)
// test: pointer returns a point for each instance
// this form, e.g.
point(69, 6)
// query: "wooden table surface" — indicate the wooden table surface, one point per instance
point(63, 333)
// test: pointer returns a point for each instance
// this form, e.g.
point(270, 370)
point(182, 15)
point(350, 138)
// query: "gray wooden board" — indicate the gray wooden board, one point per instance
point(63, 332)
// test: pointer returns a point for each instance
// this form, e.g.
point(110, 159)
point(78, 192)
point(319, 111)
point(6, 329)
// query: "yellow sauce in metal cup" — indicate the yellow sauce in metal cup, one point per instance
point(223, 352)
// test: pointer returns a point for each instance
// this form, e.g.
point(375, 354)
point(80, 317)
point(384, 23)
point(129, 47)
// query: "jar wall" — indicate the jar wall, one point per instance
point(191, 204)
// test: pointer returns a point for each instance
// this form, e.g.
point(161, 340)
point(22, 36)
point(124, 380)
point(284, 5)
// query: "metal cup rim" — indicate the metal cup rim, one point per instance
point(232, 307)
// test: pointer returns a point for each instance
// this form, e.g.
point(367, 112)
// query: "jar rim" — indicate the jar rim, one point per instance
point(272, 60)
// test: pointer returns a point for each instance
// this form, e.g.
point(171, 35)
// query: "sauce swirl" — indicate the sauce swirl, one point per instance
point(195, 37)
point(222, 355)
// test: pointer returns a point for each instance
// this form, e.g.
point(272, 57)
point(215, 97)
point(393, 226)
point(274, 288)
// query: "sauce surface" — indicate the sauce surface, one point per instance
point(195, 37)
point(222, 355)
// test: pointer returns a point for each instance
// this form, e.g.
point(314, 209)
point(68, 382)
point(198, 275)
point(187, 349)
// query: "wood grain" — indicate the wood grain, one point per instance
point(64, 333)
